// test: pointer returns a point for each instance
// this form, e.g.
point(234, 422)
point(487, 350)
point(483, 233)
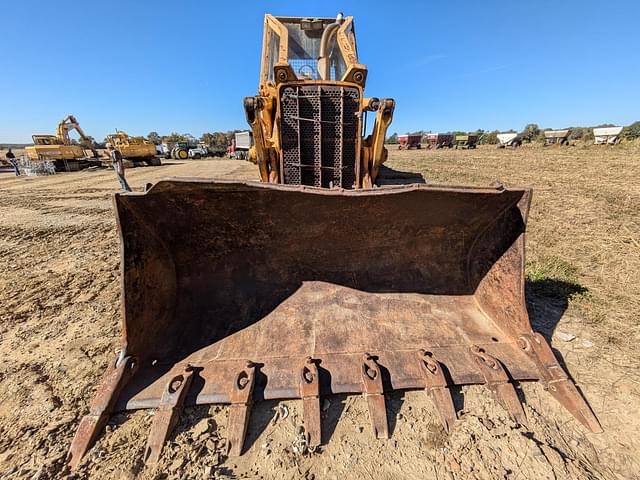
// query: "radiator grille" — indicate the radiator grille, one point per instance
point(319, 135)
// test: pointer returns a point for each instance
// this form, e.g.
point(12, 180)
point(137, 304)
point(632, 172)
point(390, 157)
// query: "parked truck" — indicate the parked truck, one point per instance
point(240, 145)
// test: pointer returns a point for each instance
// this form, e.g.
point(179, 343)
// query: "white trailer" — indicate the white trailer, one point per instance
point(556, 137)
point(509, 139)
point(607, 135)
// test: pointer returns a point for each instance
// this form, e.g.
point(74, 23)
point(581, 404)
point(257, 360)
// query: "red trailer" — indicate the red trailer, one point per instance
point(440, 140)
point(409, 141)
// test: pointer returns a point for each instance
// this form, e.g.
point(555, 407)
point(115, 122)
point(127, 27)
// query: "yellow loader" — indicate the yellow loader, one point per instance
point(136, 149)
point(316, 281)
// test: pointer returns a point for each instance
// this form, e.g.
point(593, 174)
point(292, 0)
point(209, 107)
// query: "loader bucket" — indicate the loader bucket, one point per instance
point(238, 292)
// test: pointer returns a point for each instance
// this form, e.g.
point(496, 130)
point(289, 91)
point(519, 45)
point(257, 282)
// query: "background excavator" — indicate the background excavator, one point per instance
point(136, 149)
point(315, 281)
point(60, 148)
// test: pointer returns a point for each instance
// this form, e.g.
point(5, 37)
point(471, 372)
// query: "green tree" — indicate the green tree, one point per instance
point(174, 137)
point(490, 138)
point(154, 138)
point(631, 132)
point(531, 132)
point(576, 133)
point(393, 139)
point(581, 133)
point(218, 140)
point(207, 139)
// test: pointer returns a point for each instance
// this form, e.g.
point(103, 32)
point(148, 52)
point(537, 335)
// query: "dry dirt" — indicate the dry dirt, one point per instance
point(59, 326)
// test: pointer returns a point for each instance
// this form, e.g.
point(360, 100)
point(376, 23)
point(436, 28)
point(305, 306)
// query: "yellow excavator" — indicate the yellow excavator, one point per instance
point(136, 149)
point(59, 147)
point(316, 281)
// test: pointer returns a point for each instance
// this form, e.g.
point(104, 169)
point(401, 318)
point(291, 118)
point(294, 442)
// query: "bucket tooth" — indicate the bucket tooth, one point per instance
point(167, 415)
point(374, 394)
point(112, 383)
point(436, 387)
point(557, 382)
point(310, 394)
point(497, 380)
point(241, 397)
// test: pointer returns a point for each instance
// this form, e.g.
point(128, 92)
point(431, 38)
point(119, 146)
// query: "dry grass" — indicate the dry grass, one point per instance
point(583, 235)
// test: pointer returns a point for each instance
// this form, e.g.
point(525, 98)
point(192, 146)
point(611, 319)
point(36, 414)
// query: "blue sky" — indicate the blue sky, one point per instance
point(185, 66)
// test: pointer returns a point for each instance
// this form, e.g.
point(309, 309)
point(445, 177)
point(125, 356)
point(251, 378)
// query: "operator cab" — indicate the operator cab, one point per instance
point(317, 49)
point(45, 140)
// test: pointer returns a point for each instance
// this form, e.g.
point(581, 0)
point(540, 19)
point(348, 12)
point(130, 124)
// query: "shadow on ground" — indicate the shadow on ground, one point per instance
point(547, 300)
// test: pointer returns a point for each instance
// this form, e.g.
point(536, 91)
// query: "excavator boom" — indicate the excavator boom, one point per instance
point(69, 123)
point(59, 147)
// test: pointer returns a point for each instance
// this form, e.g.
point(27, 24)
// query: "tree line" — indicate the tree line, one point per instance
point(216, 140)
point(211, 139)
point(533, 133)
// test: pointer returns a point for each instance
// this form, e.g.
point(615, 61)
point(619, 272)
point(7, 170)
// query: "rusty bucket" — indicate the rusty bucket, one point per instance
point(238, 292)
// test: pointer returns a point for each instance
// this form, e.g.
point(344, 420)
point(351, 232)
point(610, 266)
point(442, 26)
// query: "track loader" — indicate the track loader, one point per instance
point(136, 149)
point(315, 281)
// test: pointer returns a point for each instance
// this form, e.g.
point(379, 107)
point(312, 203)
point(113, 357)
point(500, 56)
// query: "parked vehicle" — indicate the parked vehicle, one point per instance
point(556, 137)
point(408, 141)
point(509, 139)
point(60, 149)
point(215, 151)
point(466, 141)
point(136, 149)
point(176, 150)
point(607, 135)
point(439, 140)
point(240, 145)
point(200, 151)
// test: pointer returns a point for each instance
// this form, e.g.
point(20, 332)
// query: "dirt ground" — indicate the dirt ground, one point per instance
point(59, 327)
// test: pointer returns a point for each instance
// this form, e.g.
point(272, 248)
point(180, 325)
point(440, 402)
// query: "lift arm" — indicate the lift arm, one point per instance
point(373, 151)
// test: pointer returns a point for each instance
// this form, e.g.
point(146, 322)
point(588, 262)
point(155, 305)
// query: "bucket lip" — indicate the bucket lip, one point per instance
point(242, 185)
